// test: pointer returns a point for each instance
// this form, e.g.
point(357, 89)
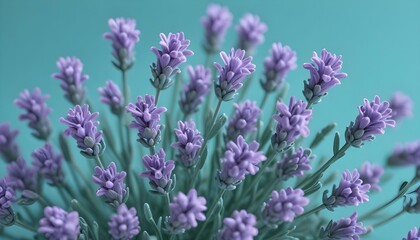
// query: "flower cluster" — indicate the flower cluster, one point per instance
point(158, 171)
point(111, 184)
point(111, 95)
point(405, 154)
point(58, 224)
point(401, 105)
point(49, 164)
point(295, 164)
point(215, 24)
point(7, 197)
point(124, 224)
point(345, 228)
point(189, 142)
point(250, 33)
point(413, 234)
point(22, 177)
point(371, 174)
point(244, 120)
point(9, 150)
point(241, 225)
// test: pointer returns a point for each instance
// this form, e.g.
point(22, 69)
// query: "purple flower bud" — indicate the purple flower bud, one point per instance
point(111, 184)
point(345, 228)
point(189, 141)
point(292, 122)
point(244, 120)
point(240, 226)
point(36, 112)
point(371, 174)
point(82, 126)
point(240, 160)
point(58, 224)
point(350, 192)
point(405, 155)
point(232, 74)
point(401, 105)
point(49, 164)
point(194, 92)
point(124, 224)
point(373, 118)
point(277, 66)
point(295, 164)
point(123, 36)
point(250, 33)
point(8, 147)
point(111, 95)
point(215, 24)
point(413, 234)
point(7, 197)
point(325, 74)
point(411, 207)
point(185, 211)
point(72, 79)
point(158, 171)
point(174, 51)
point(20, 176)
point(146, 120)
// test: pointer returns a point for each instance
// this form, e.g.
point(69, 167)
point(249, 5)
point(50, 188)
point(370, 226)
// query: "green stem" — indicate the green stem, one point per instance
point(43, 201)
point(388, 219)
point(168, 201)
point(157, 230)
point(264, 100)
point(121, 136)
point(152, 150)
point(126, 99)
point(312, 211)
point(26, 226)
point(157, 96)
point(210, 213)
point(98, 160)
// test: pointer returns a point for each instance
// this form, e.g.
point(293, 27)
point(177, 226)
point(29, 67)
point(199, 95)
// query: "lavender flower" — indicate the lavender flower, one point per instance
point(58, 224)
point(325, 74)
point(36, 112)
point(20, 176)
point(350, 192)
point(111, 95)
point(345, 228)
point(250, 32)
point(240, 160)
point(231, 75)
point(8, 147)
point(295, 164)
point(124, 224)
point(240, 226)
point(158, 171)
point(72, 79)
point(189, 142)
point(173, 53)
point(292, 122)
point(413, 234)
point(111, 184)
point(401, 105)
point(194, 92)
point(185, 211)
point(404, 155)
point(49, 164)
point(284, 206)
point(277, 66)
point(123, 36)
point(146, 120)
point(373, 118)
point(215, 24)
point(7, 197)
point(371, 174)
point(244, 121)
point(82, 126)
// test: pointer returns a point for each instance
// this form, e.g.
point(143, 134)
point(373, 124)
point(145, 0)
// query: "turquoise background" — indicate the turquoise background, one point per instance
point(379, 41)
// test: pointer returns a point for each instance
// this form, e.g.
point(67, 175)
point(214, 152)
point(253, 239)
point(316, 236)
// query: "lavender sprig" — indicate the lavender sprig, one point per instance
point(159, 172)
point(49, 164)
point(250, 33)
point(124, 224)
point(215, 23)
point(244, 121)
point(111, 96)
point(189, 143)
point(58, 224)
point(345, 228)
point(241, 225)
point(9, 150)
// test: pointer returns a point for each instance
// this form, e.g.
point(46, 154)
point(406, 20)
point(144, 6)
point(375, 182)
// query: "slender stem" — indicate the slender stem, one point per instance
point(98, 160)
point(157, 96)
point(121, 136)
point(26, 226)
point(43, 201)
point(152, 150)
point(63, 195)
point(312, 211)
point(30, 214)
point(388, 219)
point(126, 99)
point(309, 105)
point(210, 212)
point(168, 201)
point(264, 100)
point(157, 230)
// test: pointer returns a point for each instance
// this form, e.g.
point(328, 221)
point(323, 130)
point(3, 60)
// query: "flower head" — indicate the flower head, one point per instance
point(36, 112)
point(58, 224)
point(244, 120)
point(194, 92)
point(111, 184)
point(325, 74)
point(371, 174)
point(413, 234)
point(215, 23)
point(189, 141)
point(21, 177)
point(185, 211)
point(240, 226)
point(49, 164)
point(111, 95)
point(240, 160)
point(292, 122)
point(158, 171)
point(124, 224)
point(124, 37)
point(284, 206)
point(8, 147)
point(295, 164)
point(82, 126)
point(401, 105)
point(232, 74)
point(174, 51)
point(72, 78)
point(350, 192)
point(7, 197)
point(405, 154)
point(373, 118)
point(250, 33)
point(345, 228)
point(146, 120)
point(277, 66)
